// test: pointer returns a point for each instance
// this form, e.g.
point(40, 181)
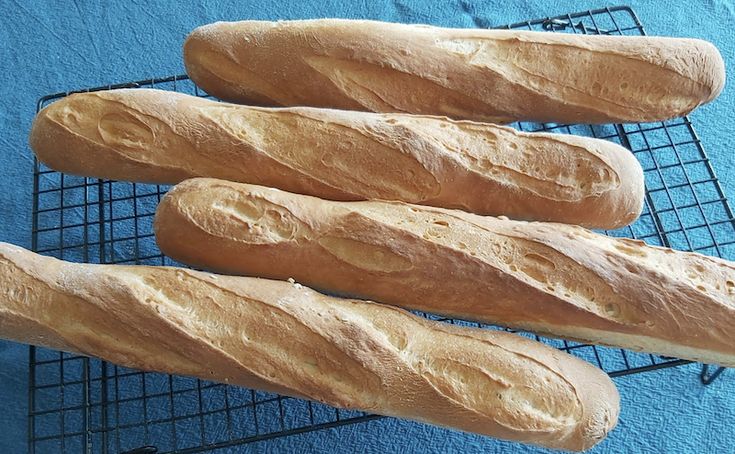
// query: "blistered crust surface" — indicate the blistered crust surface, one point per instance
point(289, 339)
point(558, 279)
point(488, 75)
point(163, 137)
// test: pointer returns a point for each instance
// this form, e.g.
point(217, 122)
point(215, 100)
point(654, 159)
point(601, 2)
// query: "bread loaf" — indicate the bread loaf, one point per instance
point(548, 278)
point(162, 137)
point(488, 75)
point(285, 338)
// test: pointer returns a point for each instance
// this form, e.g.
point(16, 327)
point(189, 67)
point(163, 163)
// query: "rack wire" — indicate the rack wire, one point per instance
point(80, 404)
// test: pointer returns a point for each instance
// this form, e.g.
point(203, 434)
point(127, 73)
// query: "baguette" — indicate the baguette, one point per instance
point(548, 278)
point(163, 137)
point(489, 75)
point(285, 338)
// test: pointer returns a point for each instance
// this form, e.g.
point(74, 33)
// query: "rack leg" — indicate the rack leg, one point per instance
point(142, 450)
point(708, 378)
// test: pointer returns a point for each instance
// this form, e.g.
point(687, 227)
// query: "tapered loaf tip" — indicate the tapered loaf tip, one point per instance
point(713, 69)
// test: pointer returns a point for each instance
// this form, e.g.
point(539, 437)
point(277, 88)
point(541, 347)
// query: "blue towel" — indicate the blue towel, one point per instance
point(48, 46)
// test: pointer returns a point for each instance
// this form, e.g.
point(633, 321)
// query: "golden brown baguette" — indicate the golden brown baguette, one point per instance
point(489, 75)
point(285, 338)
point(162, 137)
point(548, 278)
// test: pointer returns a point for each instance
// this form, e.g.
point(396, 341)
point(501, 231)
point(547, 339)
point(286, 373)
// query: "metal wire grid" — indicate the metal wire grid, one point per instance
point(81, 404)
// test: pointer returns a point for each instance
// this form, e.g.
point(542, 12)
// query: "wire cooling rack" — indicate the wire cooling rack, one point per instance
point(79, 404)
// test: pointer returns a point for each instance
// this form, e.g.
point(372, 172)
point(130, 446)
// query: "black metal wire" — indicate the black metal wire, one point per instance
point(708, 377)
point(88, 219)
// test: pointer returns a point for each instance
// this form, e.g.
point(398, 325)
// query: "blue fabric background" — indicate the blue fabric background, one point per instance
point(50, 46)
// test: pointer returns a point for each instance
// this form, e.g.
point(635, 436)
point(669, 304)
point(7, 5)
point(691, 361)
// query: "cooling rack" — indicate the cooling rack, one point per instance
point(79, 404)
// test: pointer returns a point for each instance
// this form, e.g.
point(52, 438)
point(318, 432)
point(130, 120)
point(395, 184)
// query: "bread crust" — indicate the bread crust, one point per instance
point(544, 277)
point(288, 339)
point(163, 137)
point(487, 75)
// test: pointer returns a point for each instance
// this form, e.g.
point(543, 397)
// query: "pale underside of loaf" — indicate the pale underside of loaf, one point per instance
point(549, 278)
point(490, 75)
point(163, 137)
point(640, 343)
point(288, 339)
